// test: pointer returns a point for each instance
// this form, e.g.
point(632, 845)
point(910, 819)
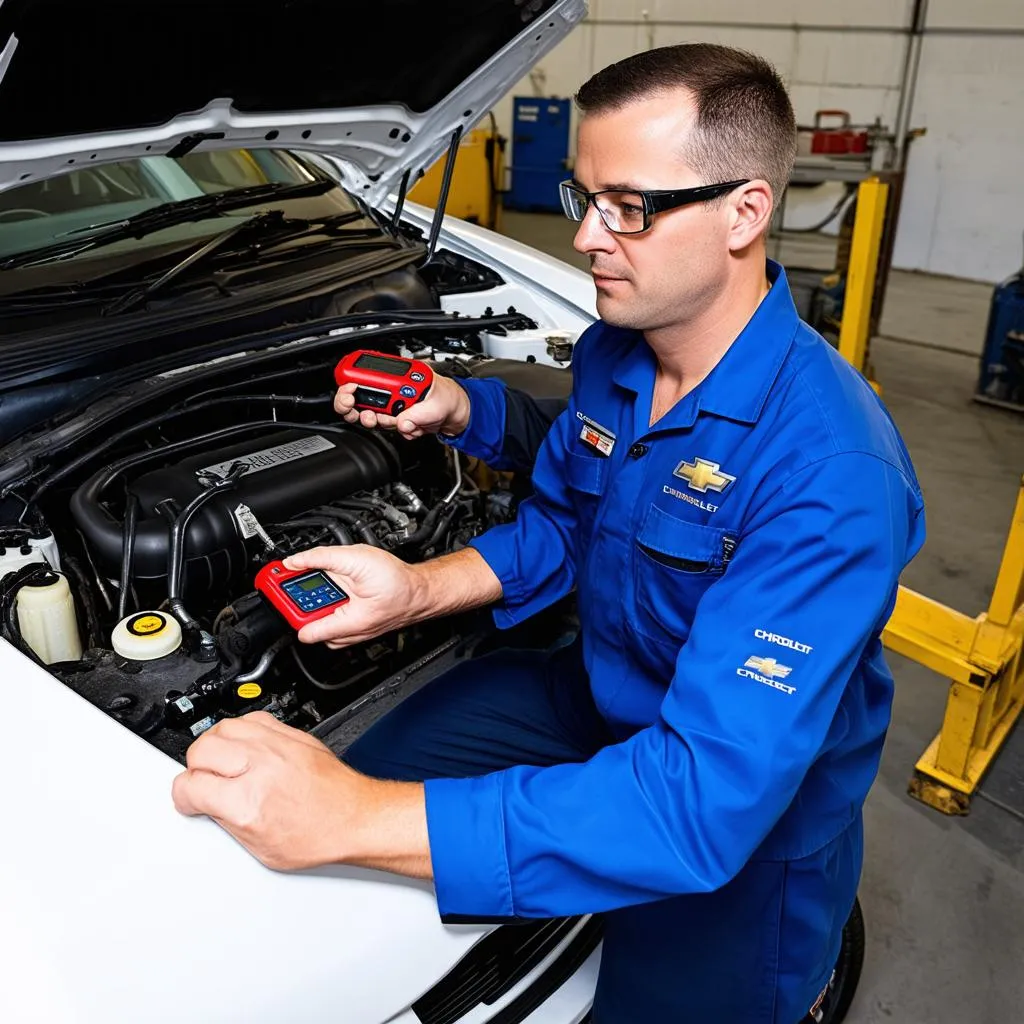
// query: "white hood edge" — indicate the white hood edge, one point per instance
point(368, 141)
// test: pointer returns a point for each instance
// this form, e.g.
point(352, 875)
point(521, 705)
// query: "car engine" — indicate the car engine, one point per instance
point(127, 558)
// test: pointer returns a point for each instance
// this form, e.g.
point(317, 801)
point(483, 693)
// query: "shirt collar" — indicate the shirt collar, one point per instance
point(738, 385)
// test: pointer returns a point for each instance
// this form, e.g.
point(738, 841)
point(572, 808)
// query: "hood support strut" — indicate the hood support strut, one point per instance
point(403, 191)
point(442, 201)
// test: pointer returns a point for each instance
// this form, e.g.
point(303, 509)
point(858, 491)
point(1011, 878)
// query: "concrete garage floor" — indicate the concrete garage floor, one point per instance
point(943, 897)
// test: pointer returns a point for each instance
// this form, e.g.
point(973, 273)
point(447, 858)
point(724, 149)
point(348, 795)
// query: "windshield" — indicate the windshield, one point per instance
point(88, 198)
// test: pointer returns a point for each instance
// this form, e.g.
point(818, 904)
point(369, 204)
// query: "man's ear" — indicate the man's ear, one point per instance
point(752, 206)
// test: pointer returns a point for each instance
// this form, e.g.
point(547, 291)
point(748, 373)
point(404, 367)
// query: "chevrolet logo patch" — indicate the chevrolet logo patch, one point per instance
point(702, 475)
point(768, 667)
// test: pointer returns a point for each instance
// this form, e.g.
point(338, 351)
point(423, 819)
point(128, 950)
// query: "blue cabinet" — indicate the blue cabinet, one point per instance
point(540, 152)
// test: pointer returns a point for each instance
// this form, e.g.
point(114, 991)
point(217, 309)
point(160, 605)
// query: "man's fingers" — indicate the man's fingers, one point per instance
point(344, 559)
point(338, 626)
point(215, 753)
point(345, 398)
point(318, 557)
point(199, 792)
point(264, 719)
point(344, 406)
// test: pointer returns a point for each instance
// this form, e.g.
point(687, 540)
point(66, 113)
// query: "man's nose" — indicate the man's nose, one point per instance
point(592, 235)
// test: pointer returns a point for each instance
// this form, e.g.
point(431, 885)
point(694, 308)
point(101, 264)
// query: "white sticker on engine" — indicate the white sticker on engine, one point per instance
point(247, 521)
point(250, 525)
point(268, 458)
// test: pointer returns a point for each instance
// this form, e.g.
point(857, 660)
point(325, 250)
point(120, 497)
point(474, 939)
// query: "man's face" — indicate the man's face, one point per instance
point(671, 272)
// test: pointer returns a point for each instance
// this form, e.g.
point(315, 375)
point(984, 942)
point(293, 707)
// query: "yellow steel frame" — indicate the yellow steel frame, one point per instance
point(865, 246)
point(981, 656)
point(982, 659)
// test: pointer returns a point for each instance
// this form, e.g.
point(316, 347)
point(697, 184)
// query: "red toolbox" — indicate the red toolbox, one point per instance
point(837, 140)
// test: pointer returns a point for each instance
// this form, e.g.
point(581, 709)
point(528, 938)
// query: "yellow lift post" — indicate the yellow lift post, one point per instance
point(982, 659)
point(865, 246)
point(980, 656)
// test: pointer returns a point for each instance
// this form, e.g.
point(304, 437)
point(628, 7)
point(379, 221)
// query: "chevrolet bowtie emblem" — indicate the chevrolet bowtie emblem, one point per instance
point(768, 667)
point(702, 475)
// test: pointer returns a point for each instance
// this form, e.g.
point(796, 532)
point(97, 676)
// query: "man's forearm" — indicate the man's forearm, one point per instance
point(454, 583)
point(390, 831)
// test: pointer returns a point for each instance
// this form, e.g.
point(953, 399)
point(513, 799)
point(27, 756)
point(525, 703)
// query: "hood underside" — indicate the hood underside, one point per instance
point(380, 86)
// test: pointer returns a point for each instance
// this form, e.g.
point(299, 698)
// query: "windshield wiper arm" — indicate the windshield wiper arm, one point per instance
point(167, 215)
point(272, 222)
point(143, 292)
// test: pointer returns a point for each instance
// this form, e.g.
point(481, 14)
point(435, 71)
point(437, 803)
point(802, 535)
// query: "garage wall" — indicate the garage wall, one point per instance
point(962, 211)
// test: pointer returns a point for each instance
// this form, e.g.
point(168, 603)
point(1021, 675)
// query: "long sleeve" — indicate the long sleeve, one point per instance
point(506, 426)
point(534, 557)
point(681, 806)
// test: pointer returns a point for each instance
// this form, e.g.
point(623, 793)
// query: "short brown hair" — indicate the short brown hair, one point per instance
point(745, 125)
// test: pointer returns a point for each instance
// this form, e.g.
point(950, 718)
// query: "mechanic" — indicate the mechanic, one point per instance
point(734, 508)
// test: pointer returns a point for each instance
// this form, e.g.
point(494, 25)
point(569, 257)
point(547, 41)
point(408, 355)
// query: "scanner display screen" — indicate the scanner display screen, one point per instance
point(381, 364)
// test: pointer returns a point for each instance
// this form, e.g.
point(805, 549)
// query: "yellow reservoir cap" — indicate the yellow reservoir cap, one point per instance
point(146, 636)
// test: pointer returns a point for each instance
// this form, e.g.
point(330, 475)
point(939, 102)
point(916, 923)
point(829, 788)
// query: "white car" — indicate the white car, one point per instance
point(200, 214)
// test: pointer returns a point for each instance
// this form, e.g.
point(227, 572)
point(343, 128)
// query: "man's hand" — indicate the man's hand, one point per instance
point(444, 410)
point(383, 593)
point(386, 593)
point(292, 804)
point(282, 794)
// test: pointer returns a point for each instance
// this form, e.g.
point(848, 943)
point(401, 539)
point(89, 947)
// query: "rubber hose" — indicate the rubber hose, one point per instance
point(337, 531)
point(131, 518)
point(443, 525)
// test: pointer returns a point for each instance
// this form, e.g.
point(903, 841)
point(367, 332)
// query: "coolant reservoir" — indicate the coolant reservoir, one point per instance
point(146, 636)
point(46, 619)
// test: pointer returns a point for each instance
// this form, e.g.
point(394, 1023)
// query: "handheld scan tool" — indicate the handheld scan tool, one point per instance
point(387, 384)
point(300, 595)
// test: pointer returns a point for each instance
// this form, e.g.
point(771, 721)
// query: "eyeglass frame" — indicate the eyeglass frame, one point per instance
point(658, 200)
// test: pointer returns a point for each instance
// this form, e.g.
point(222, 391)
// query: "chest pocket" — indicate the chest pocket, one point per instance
point(588, 477)
point(674, 563)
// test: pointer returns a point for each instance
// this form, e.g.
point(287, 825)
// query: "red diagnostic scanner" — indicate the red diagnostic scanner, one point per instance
point(300, 595)
point(387, 384)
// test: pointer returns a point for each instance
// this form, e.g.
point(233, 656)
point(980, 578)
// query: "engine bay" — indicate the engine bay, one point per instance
point(129, 548)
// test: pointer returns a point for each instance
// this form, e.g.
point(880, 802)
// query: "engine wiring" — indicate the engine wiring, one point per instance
point(176, 555)
point(147, 535)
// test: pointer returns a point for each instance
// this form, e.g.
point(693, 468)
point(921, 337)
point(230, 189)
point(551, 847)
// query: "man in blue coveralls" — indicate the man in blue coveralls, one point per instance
point(733, 506)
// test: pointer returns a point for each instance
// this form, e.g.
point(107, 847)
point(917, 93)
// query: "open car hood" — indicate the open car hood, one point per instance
point(380, 86)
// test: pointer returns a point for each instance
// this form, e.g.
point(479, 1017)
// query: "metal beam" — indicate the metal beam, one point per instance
point(983, 660)
point(865, 246)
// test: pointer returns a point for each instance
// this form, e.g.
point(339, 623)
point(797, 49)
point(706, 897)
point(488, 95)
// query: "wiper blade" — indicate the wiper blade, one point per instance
point(273, 222)
point(142, 292)
point(166, 215)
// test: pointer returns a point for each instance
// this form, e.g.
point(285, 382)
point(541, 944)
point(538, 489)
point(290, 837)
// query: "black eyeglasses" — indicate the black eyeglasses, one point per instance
point(629, 213)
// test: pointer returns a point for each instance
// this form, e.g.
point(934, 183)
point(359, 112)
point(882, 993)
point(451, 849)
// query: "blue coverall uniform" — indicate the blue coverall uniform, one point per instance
point(697, 763)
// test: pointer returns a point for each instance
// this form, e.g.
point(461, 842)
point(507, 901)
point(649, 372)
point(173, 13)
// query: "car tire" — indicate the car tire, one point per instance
point(848, 967)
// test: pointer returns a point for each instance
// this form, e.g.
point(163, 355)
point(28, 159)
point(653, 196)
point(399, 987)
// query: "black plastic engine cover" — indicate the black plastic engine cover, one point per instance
point(290, 472)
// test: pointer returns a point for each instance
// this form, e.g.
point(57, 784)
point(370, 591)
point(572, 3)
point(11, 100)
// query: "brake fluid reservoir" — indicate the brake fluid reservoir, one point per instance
point(46, 619)
point(146, 636)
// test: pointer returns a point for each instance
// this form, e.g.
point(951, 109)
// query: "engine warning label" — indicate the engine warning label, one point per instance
point(268, 458)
